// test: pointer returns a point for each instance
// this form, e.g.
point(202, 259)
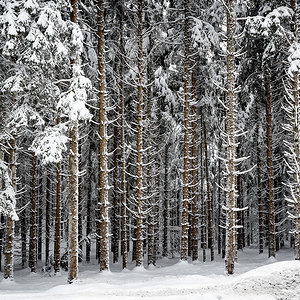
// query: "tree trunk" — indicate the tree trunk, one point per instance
point(259, 187)
point(103, 173)
point(194, 189)
point(73, 185)
point(296, 141)
point(231, 141)
point(48, 219)
point(123, 165)
point(209, 202)
point(270, 191)
point(10, 224)
point(165, 203)
point(203, 203)
point(57, 217)
point(33, 218)
point(186, 162)
point(139, 198)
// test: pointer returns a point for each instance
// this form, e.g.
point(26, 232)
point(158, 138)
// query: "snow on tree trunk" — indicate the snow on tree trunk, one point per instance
point(209, 202)
point(231, 105)
point(123, 165)
point(270, 190)
point(103, 172)
point(139, 198)
point(296, 139)
point(73, 204)
point(57, 219)
point(10, 223)
point(33, 217)
point(259, 187)
point(186, 161)
point(194, 189)
point(166, 203)
point(73, 184)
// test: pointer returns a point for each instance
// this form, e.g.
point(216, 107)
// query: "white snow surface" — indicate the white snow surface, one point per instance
point(256, 278)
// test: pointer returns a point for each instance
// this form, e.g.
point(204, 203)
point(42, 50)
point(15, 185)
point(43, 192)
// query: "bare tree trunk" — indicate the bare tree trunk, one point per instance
point(103, 172)
point(186, 162)
point(139, 225)
point(231, 141)
point(33, 219)
point(270, 193)
point(10, 223)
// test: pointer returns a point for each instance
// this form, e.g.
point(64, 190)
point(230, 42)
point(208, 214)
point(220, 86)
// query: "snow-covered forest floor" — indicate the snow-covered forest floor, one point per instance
point(256, 277)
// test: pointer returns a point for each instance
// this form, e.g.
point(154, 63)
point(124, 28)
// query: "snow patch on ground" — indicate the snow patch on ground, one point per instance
point(256, 277)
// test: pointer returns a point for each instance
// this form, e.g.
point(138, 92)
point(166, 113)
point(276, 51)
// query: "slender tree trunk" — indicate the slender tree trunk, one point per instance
point(89, 210)
point(259, 188)
point(296, 139)
point(80, 207)
point(139, 225)
point(165, 203)
point(231, 141)
point(48, 219)
point(33, 217)
point(10, 224)
point(115, 207)
point(73, 204)
point(209, 201)
point(123, 165)
point(270, 191)
point(103, 172)
point(194, 189)
point(57, 217)
point(40, 217)
point(203, 203)
point(186, 162)
point(73, 185)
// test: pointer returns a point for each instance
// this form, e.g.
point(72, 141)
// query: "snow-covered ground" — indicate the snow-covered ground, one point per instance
point(256, 277)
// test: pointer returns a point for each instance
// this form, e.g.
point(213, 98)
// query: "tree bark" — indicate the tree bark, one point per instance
point(270, 190)
point(231, 141)
point(123, 165)
point(103, 172)
point(186, 162)
point(33, 217)
point(10, 223)
point(139, 198)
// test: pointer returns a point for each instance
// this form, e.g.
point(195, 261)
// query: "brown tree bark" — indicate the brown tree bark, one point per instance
point(73, 185)
point(231, 140)
point(123, 166)
point(103, 172)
